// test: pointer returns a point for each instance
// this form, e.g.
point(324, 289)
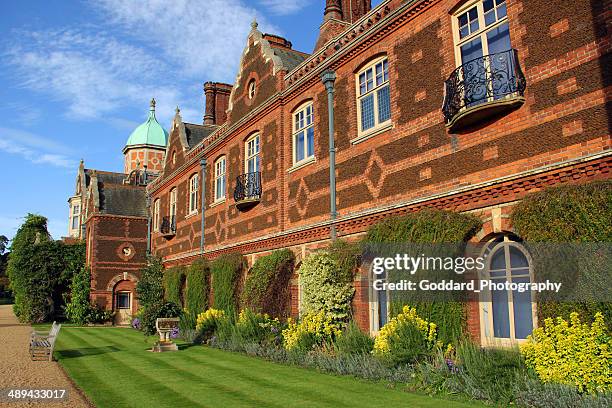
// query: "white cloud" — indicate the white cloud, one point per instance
point(36, 149)
point(147, 49)
point(283, 7)
point(95, 74)
point(204, 37)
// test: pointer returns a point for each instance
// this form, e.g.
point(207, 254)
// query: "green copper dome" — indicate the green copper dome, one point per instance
point(149, 133)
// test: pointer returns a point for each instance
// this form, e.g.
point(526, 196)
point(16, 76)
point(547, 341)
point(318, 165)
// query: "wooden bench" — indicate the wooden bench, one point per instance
point(42, 343)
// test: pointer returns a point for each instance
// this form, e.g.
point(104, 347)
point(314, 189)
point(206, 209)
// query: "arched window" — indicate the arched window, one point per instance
point(220, 179)
point(303, 133)
point(373, 97)
point(193, 194)
point(156, 215)
point(508, 316)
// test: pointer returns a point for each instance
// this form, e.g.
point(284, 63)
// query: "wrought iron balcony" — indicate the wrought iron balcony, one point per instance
point(248, 190)
point(483, 87)
point(168, 226)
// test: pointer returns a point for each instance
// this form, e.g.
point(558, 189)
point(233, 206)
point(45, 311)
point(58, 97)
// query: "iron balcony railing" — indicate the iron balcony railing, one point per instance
point(481, 80)
point(248, 187)
point(168, 225)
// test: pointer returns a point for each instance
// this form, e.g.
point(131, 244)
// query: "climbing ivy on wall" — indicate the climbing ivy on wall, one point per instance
point(573, 213)
point(568, 215)
point(197, 287)
point(266, 288)
point(429, 226)
point(226, 271)
point(174, 279)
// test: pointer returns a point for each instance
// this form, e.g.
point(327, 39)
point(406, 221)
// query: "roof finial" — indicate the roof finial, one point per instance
point(254, 24)
point(152, 104)
point(177, 110)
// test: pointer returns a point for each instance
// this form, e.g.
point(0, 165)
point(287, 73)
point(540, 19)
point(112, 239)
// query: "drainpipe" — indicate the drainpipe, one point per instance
point(148, 224)
point(203, 202)
point(329, 77)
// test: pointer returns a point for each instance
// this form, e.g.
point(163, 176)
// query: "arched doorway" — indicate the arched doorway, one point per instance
point(123, 288)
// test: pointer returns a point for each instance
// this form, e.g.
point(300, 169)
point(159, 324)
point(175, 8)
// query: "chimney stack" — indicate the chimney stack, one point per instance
point(338, 16)
point(217, 101)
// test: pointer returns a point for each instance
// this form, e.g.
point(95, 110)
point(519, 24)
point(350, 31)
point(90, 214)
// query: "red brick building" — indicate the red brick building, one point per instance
point(459, 105)
point(110, 212)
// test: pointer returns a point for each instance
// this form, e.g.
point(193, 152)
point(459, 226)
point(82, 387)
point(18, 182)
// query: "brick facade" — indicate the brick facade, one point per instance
point(560, 134)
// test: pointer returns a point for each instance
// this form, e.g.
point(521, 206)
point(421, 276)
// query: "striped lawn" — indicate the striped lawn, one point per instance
point(113, 367)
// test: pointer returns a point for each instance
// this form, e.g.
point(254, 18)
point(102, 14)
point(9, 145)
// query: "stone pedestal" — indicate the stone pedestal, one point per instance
point(164, 326)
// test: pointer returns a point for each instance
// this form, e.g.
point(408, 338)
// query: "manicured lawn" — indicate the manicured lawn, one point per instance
point(114, 368)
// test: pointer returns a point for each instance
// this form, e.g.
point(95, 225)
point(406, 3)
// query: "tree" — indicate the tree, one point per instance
point(3, 244)
point(150, 288)
point(3, 261)
point(40, 270)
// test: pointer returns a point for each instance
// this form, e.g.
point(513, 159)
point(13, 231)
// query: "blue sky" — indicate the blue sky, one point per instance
point(76, 78)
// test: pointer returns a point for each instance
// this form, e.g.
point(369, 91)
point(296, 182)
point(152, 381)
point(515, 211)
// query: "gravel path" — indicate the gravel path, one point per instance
point(18, 371)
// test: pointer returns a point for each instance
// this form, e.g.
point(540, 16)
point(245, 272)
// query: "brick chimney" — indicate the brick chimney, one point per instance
point(217, 100)
point(338, 16)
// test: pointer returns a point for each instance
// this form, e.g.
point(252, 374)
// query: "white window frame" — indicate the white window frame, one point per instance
point(129, 297)
point(76, 213)
point(302, 122)
point(172, 206)
point(193, 193)
point(156, 207)
point(220, 179)
point(375, 300)
point(252, 151)
point(482, 28)
point(376, 87)
point(487, 334)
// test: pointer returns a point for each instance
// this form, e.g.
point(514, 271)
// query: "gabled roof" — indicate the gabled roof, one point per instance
point(122, 200)
point(196, 133)
point(111, 196)
point(289, 58)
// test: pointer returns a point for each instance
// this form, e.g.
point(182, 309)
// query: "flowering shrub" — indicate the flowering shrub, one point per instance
point(259, 327)
point(175, 333)
point(136, 323)
point(313, 329)
point(406, 337)
point(207, 321)
point(572, 353)
point(324, 287)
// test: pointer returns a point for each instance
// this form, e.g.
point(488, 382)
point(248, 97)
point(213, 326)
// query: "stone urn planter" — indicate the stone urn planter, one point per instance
point(164, 326)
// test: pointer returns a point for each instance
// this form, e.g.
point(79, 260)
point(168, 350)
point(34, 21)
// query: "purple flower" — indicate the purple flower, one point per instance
point(174, 333)
point(136, 323)
point(451, 365)
point(274, 330)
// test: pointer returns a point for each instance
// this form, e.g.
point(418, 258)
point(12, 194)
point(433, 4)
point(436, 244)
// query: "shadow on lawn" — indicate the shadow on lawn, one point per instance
point(87, 351)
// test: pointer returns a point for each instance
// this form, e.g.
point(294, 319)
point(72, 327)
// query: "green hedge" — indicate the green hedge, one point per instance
point(567, 214)
point(429, 226)
point(226, 271)
point(174, 279)
point(266, 288)
point(197, 287)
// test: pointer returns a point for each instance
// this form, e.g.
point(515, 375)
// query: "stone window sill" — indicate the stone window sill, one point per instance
point(302, 164)
point(216, 203)
point(372, 132)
